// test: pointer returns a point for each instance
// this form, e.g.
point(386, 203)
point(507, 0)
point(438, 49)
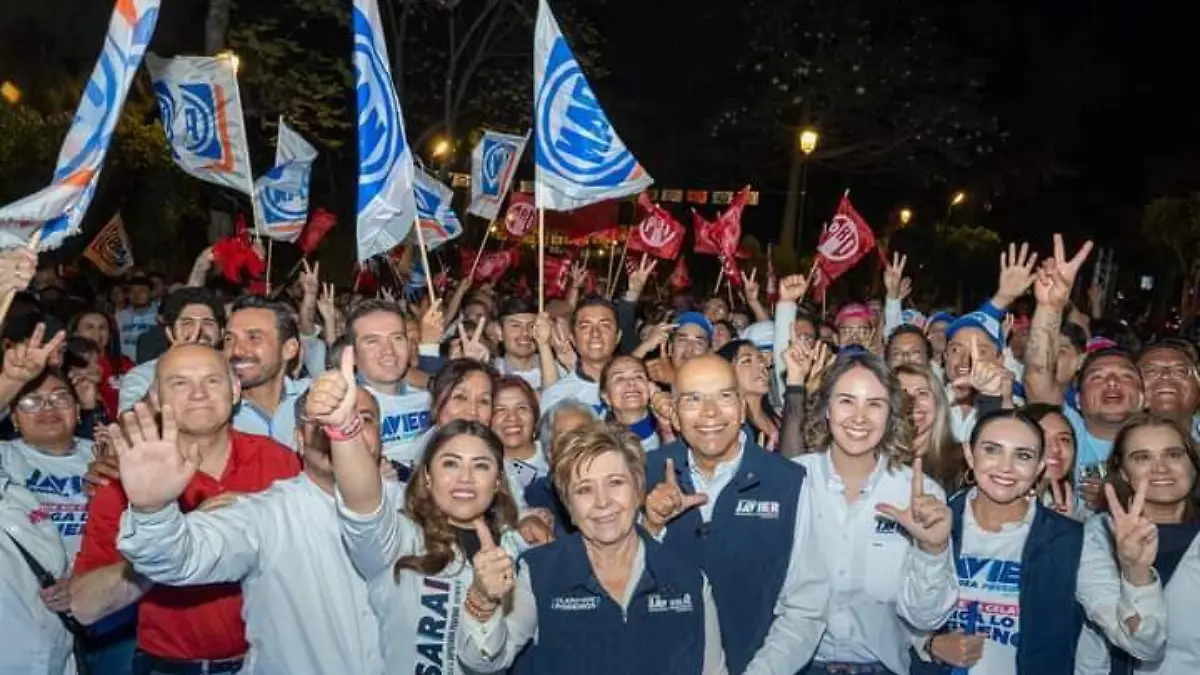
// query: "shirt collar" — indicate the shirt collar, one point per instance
point(834, 481)
point(726, 468)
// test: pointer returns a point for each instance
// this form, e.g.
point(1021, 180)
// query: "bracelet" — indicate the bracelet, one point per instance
point(476, 609)
point(351, 430)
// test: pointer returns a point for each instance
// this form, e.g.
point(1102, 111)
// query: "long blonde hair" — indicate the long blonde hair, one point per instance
point(944, 460)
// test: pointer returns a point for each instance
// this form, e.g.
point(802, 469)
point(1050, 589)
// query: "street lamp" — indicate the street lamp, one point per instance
point(808, 144)
point(906, 215)
point(959, 198)
point(441, 147)
point(808, 141)
point(10, 92)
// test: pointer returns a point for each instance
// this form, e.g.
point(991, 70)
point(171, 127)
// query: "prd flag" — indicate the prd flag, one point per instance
point(438, 222)
point(201, 114)
point(578, 157)
point(58, 208)
point(658, 234)
point(386, 205)
point(282, 192)
point(493, 164)
point(844, 241)
point(521, 216)
point(110, 251)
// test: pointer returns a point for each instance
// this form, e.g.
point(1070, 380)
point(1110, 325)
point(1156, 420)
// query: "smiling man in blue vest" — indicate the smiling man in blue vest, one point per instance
point(734, 509)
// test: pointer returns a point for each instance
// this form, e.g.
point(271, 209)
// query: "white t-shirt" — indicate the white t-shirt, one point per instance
point(131, 324)
point(989, 582)
point(57, 482)
point(403, 419)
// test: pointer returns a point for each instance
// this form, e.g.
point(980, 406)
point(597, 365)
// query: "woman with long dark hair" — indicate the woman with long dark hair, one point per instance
point(419, 563)
point(1056, 486)
point(754, 383)
point(625, 389)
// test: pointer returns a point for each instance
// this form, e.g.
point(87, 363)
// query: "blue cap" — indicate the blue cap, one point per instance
point(696, 319)
point(939, 317)
point(987, 319)
point(761, 334)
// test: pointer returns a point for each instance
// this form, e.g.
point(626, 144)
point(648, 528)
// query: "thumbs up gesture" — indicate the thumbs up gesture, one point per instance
point(667, 501)
point(333, 397)
point(493, 567)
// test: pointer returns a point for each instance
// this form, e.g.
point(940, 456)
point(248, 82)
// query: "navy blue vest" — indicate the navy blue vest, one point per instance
point(1051, 619)
point(582, 631)
point(746, 547)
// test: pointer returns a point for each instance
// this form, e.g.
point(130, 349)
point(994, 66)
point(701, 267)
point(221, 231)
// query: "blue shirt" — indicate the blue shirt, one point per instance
point(248, 418)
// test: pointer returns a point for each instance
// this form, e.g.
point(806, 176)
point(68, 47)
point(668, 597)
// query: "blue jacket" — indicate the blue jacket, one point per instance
point(745, 548)
point(1051, 619)
point(540, 494)
point(582, 631)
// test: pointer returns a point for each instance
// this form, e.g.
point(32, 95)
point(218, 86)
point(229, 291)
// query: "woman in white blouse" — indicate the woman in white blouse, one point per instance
point(882, 527)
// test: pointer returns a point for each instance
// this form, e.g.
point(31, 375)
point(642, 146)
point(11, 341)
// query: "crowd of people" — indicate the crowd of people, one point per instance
point(319, 482)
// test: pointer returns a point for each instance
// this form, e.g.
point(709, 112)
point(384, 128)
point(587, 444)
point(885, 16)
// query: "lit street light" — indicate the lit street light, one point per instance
point(441, 147)
point(906, 215)
point(10, 92)
point(808, 141)
point(959, 198)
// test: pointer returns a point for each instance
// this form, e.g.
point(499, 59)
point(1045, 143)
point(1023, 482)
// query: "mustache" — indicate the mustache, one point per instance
point(239, 360)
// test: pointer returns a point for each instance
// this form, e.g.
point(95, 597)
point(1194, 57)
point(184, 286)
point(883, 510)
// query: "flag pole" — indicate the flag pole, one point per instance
point(541, 259)
point(612, 286)
point(7, 301)
point(720, 278)
point(270, 254)
point(425, 262)
point(612, 259)
point(479, 254)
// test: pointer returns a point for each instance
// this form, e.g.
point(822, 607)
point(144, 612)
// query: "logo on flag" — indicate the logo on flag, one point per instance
point(110, 250)
point(658, 234)
point(844, 242)
point(493, 165)
point(579, 158)
point(202, 117)
point(282, 192)
point(386, 208)
point(59, 208)
point(519, 220)
point(438, 222)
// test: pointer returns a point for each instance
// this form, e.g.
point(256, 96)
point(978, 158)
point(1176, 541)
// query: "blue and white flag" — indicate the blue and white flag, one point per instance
point(58, 209)
point(493, 165)
point(437, 220)
point(201, 111)
point(282, 192)
point(578, 157)
point(386, 206)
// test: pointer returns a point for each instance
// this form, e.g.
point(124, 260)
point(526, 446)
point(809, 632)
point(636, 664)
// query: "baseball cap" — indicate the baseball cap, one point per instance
point(696, 319)
point(986, 318)
point(761, 333)
point(854, 310)
point(939, 317)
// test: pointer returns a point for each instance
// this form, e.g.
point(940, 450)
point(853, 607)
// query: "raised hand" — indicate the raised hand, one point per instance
point(1064, 497)
point(750, 285)
point(189, 335)
point(327, 304)
point(564, 348)
point(793, 287)
point(310, 279)
point(893, 277)
point(578, 275)
point(957, 649)
point(86, 383)
point(154, 469)
point(989, 378)
point(666, 501)
point(433, 324)
point(1016, 273)
point(1135, 534)
point(472, 345)
point(1056, 277)
point(333, 397)
point(17, 267)
point(927, 519)
point(823, 357)
point(798, 361)
point(493, 567)
point(641, 275)
point(543, 330)
point(26, 360)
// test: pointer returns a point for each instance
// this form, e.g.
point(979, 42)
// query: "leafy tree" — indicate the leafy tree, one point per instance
point(1172, 225)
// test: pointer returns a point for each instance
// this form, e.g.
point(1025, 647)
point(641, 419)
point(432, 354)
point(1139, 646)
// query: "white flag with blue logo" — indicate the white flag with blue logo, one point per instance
point(282, 192)
point(386, 205)
point(578, 157)
point(437, 220)
point(493, 165)
point(58, 209)
point(201, 112)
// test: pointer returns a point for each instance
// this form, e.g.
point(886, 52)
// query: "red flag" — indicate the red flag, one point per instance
point(365, 281)
point(558, 275)
point(605, 237)
point(237, 259)
point(844, 242)
point(722, 236)
point(319, 224)
point(492, 265)
point(521, 217)
point(580, 222)
point(659, 234)
point(680, 279)
point(772, 280)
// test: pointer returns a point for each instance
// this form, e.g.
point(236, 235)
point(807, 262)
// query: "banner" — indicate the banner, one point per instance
point(110, 251)
point(578, 157)
point(201, 114)
point(58, 209)
point(386, 203)
point(282, 192)
point(438, 222)
point(658, 234)
point(844, 241)
point(558, 275)
point(493, 164)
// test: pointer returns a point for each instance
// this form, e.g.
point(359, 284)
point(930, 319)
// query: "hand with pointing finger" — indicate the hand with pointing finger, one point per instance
point(154, 469)
point(666, 501)
point(989, 378)
point(493, 567)
point(1136, 536)
point(926, 519)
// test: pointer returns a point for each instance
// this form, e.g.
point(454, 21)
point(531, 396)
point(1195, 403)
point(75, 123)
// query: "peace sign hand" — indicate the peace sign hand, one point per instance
point(25, 361)
point(1016, 273)
point(1064, 497)
point(472, 345)
point(893, 277)
point(1057, 276)
point(750, 284)
point(310, 279)
point(1136, 536)
point(154, 469)
point(326, 304)
point(666, 502)
point(493, 567)
point(433, 324)
point(639, 276)
point(926, 519)
point(332, 399)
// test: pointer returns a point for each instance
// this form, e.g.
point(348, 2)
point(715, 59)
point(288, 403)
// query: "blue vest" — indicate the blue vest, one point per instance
point(540, 494)
point(746, 547)
point(1051, 619)
point(582, 631)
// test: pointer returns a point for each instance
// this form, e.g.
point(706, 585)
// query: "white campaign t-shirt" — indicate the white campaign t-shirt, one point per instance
point(403, 420)
point(131, 324)
point(57, 482)
point(989, 582)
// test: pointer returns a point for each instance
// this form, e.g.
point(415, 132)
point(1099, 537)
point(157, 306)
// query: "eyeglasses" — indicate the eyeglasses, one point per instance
point(692, 401)
point(60, 399)
point(1178, 372)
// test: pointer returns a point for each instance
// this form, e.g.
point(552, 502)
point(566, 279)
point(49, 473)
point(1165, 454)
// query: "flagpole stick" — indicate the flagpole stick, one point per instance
point(7, 301)
point(479, 254)
point(541, 260)
point(425, 263)
point(612, 287)
point(270, 254)
point(720, 278)
point(729, 292)
point(612, 259)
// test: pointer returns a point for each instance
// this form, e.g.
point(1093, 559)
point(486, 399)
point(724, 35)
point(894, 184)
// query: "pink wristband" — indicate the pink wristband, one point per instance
point(351, 430)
